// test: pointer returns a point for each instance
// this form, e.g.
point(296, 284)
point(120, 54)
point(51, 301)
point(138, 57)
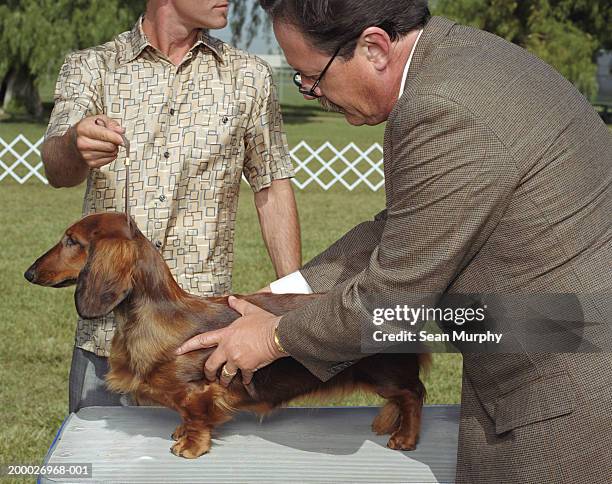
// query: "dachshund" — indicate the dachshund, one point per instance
point(116, 268)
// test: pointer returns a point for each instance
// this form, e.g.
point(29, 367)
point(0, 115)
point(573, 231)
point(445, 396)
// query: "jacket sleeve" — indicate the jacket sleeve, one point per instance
point(451, 179)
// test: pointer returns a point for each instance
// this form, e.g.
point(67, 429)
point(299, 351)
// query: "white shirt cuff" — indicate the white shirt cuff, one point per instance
point(293, 283)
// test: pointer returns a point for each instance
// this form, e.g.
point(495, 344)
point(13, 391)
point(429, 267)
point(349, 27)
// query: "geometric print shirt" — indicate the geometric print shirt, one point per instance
point(194, 130)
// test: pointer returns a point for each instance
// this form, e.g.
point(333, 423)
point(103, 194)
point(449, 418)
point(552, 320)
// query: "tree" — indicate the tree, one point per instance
point(36, 34)
point(565, 33)
point(592, 16)
point(248, 20)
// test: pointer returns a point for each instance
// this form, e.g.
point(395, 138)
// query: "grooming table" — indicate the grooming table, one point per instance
point(296, 444)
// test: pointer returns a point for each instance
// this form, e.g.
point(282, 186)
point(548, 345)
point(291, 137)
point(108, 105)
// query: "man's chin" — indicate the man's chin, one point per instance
point(354, 120)
point(218, 25)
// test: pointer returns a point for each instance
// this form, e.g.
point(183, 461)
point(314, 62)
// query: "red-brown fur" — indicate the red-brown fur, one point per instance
point(117, 269)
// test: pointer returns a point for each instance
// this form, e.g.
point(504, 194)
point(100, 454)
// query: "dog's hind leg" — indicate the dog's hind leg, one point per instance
point(388, 419)
point(408, 402)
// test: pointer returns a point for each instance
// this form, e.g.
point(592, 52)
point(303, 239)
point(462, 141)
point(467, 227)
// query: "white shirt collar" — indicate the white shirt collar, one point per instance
point(405, 75)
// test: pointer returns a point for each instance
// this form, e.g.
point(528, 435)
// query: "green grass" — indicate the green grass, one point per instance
point(38, 323)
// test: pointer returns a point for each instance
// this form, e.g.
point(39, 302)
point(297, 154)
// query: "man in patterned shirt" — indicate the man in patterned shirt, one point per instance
point(199, 114)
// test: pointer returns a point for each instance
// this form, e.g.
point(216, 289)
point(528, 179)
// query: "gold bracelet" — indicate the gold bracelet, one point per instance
point(277, 342)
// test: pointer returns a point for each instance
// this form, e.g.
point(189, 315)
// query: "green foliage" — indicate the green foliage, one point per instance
point(592, 16)
point(565, 33)
point(566, 47)
point(38, 33)
point(495, 16)
point(37, 323)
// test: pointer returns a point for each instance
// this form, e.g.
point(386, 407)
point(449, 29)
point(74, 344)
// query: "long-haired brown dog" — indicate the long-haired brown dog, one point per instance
point(115, 268)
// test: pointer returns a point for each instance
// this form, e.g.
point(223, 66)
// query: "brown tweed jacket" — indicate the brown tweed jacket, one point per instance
point(498, 175)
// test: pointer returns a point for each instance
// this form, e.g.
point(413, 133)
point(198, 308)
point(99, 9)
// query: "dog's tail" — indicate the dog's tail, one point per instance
point(425, 361)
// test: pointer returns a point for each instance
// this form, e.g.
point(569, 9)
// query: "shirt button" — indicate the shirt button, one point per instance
point(166, 155)
point(162, 198)
point(171, 112)
point(158, 244)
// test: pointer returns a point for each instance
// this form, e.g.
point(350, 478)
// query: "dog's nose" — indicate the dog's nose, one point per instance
point(30, 274)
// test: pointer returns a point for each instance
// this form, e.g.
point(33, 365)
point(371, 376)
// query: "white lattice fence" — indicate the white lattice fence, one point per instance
point(325, 166)
point(21, 163)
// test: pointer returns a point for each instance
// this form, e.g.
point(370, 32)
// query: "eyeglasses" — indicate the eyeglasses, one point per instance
point(297, 77)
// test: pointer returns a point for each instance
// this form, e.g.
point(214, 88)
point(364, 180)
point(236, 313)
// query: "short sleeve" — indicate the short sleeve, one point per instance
point(77, 93)
point(267, 154)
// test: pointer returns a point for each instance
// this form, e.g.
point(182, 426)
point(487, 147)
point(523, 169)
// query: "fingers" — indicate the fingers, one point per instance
point(199, 341)
point(97, 139)
point(92, 146)
point(99, 162)
point(247, 376)
point(106, 134)
point(103, 120)
point(99, 128)
point(243, 307)
point(212, 365)
point(114, 125)
point(95, 159)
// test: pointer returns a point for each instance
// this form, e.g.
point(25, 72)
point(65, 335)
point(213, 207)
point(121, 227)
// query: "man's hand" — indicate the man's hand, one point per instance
point(246, 345)
point(97, 144)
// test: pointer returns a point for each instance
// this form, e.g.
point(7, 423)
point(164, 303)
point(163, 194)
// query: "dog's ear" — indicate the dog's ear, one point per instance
point(134, 230)
point(106, 279)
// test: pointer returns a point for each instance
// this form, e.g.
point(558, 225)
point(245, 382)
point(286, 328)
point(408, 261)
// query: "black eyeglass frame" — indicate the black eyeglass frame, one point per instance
point(297, 77)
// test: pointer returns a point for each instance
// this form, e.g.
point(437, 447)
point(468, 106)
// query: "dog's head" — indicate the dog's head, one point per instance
point(97, 254)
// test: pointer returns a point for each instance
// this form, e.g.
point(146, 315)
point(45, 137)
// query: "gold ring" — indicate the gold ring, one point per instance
point(226, 373)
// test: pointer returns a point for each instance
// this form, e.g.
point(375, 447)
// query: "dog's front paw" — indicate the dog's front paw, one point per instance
point(401, 442)
point(178, 432)
point(191, 445)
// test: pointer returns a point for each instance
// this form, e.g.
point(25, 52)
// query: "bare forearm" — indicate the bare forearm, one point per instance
point(63, 163)
point(280, 226)
point(91, 143)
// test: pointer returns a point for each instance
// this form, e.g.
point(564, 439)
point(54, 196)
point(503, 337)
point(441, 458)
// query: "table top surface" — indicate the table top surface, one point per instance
point(295, 444)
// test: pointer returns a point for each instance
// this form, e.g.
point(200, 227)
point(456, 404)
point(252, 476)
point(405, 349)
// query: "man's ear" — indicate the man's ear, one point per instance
point(106, 279)
point(376, 45)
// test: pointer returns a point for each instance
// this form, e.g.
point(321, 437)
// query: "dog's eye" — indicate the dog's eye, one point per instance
point(70, 242)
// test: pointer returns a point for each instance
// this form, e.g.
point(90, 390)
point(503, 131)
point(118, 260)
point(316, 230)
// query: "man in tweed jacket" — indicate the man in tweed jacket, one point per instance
point(497, 177)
